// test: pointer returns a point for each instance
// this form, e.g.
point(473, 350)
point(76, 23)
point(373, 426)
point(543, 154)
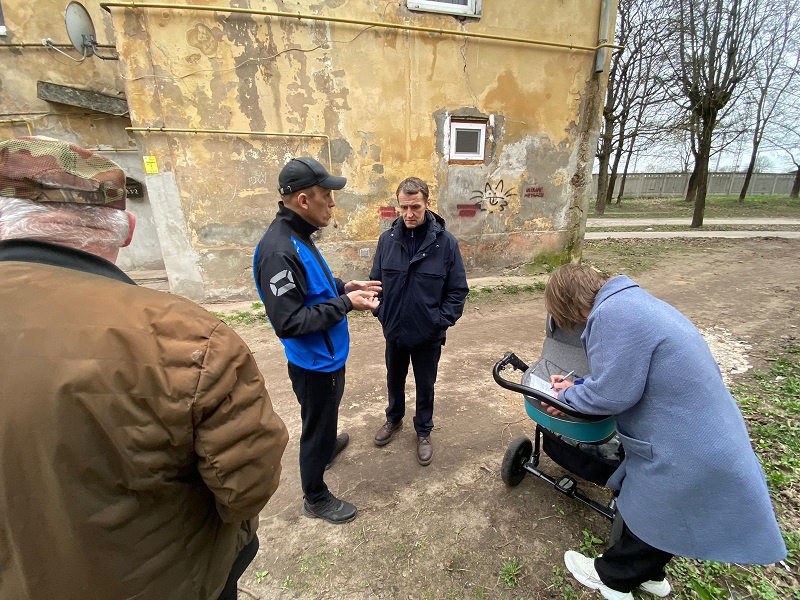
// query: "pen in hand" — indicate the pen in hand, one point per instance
point(563, 378)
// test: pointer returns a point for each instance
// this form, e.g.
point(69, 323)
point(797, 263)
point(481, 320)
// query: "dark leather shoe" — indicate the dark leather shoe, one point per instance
point(341, 443)
point(424, 450)
point(331, 510)
point(386, 433)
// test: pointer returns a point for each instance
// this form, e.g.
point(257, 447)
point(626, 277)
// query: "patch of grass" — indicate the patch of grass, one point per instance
point(705, 227)
point(511, 572)
point(715, 206)
point(505, 290)
point(722, 581)
point(409, 544)
point(771, 403)
point(632, 257)
point(256, 314)
point(545, 262)
point(288, 583)
point(560, 581)
point(261, 576)
point(314, 565)
point(590, 544)
point(479, 592)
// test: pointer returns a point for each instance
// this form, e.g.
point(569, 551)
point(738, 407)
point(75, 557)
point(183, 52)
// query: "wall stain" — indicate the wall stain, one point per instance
point(202, 38)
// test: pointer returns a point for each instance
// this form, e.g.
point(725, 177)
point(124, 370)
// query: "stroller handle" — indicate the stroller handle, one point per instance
point(511, 359)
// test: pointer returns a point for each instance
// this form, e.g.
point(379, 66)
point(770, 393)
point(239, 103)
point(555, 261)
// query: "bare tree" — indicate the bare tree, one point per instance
point(630, 87)
point(774, 74)
point(611, 108)
point(714, 55)
point(783, 134)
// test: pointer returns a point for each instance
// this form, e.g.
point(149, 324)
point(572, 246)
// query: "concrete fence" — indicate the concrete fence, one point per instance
point(663, 185)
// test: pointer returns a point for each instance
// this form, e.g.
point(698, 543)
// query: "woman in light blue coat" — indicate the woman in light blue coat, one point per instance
point(690, 484)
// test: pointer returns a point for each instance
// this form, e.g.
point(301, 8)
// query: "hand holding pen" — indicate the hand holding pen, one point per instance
point(561, 382)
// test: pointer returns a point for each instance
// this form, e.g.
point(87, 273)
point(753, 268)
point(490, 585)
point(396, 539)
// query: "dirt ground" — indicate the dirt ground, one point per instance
point(446, 530)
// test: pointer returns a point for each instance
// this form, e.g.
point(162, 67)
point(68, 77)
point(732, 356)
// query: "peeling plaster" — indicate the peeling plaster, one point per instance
point(293, 75)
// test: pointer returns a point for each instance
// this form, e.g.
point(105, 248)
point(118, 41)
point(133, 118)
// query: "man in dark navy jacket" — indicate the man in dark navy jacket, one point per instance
point(424, 290)
point(307, 307)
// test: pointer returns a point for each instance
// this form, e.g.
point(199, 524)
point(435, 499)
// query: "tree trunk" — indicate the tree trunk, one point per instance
point(701, 173)
point(602, 184)
point(691, 189)
point(749, 175)
point(615, 167)
point(622, 186)
point(625, 170)
point(612, 182)
point(700, 195)
point(795, 186)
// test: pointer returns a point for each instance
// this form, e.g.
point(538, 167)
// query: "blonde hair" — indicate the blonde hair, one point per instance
point(570, 294)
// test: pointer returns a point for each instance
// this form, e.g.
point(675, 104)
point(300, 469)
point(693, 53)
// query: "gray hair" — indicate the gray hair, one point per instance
point(412, 186)
point(80, 226)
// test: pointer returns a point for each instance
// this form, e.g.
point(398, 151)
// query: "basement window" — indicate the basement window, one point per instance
point(466, 8)
point(467, 140)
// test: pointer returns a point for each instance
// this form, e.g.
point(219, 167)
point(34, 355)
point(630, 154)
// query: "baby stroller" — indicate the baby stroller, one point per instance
point(584, 445)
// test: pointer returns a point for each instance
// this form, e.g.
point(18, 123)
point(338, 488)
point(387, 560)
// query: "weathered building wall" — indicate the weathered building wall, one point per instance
point(383, 98)
point(25, 61)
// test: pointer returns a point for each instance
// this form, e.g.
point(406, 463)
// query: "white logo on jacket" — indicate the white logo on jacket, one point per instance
point(276, 283)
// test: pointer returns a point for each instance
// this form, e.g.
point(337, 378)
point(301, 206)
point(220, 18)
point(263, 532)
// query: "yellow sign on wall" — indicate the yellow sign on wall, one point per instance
point(150, 165)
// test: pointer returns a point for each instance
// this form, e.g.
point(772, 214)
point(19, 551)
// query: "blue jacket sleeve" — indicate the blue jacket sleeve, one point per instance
point(619, 352)
point(282, 280)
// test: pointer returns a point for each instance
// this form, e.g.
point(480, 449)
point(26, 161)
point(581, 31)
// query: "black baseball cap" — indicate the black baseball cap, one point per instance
point(305, 172)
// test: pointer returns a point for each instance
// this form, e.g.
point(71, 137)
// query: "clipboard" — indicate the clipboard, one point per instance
point(540, 385)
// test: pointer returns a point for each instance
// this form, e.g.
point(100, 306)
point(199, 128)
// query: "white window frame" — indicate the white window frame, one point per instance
point(474, 125)
point(472, 9)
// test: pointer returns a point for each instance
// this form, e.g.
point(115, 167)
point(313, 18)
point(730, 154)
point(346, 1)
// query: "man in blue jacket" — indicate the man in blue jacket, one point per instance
point(307, 307)
point(424, 290)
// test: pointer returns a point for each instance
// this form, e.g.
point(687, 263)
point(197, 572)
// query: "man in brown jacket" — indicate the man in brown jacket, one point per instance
point(138, 440)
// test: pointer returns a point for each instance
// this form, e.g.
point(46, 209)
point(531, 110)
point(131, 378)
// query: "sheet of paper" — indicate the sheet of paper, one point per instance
point(541, 385)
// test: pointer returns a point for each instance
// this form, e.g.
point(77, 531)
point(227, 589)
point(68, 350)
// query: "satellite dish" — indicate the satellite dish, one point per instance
point(80, 30)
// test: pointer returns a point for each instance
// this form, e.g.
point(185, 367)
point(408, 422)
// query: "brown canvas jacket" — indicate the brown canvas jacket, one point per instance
point(138, 440)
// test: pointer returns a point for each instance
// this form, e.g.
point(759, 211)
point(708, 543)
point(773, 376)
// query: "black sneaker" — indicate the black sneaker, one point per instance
point(331, 509)
point(341, 443)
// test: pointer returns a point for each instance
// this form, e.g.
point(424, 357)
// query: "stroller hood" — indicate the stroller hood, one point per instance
point(564, 349)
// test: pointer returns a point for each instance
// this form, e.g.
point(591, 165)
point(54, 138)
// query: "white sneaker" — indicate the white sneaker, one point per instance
point(582, 569)
point(657, 588)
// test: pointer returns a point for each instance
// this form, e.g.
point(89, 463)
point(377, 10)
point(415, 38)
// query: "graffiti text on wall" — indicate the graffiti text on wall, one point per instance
point(534, 192)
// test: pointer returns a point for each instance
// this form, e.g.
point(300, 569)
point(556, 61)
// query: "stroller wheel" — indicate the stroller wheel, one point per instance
point(518, 453)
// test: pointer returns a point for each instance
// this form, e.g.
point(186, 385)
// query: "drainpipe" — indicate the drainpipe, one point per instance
point(602, 37)
point(273, 13)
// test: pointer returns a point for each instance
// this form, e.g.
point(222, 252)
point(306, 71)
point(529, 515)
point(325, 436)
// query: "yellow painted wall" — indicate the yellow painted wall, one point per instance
point(383, 98)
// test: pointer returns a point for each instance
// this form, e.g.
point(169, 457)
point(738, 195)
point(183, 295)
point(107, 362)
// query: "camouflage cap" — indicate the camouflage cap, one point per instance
point(48, 170)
